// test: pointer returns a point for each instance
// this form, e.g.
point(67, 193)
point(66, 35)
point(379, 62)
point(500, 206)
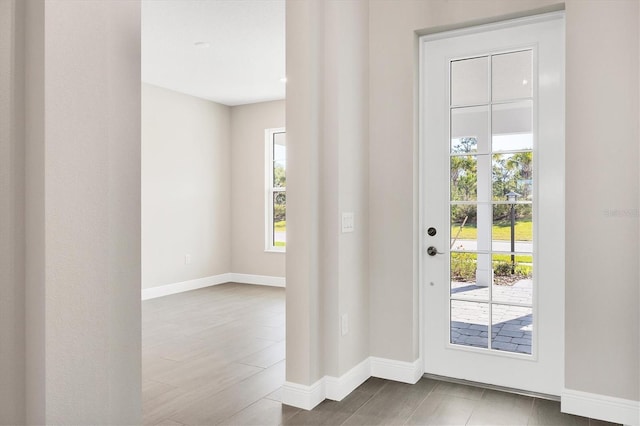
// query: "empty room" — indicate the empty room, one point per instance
point(213, 208)
point(332, 212)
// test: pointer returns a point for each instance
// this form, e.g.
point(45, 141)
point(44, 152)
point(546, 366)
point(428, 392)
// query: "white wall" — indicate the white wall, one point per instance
point(83, 225)
point(186, 187)
point(12, 346)
point(248, 123)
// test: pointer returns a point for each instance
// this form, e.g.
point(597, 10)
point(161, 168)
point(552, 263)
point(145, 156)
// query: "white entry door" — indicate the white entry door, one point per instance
point(492, 179)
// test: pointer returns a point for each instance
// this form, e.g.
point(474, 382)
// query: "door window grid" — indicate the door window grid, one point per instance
point(479, 311)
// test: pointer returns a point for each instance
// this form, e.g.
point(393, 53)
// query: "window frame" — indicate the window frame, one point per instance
point(270, 190)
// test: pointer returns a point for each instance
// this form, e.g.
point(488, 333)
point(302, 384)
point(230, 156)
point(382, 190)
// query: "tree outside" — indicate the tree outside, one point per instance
point(509, 172)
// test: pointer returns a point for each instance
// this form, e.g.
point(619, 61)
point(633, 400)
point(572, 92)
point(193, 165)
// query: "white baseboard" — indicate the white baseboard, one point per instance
point(399, 371)
point(301, 396)
point(336, 388)
point(257, 279)
point(166, 290)
point(601, 407)
point(339, 387)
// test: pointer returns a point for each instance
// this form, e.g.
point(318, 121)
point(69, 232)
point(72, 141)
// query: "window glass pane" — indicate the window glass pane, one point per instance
point(522, 230)
point(464, 227)
point(279, 160)
point(279, 219)
point(511, 328)
point(470, 81)
point(511, 126)
point(469, 323)
point(464, 274)
point(464, 179)
point(279, 146)
point(469, 129)
point(512, 282)
point(512, 173)
point(511, 76)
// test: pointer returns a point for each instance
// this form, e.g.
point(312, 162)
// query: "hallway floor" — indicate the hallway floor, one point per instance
point(216, 356)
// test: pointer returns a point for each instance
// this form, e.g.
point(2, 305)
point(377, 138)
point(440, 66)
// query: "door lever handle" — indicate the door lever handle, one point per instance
point(432, 251)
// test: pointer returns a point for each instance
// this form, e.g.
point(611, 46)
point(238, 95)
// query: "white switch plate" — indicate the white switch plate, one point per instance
point(187, 259)
point(348, 222)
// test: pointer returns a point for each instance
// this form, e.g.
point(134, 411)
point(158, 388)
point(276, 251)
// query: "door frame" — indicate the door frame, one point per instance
point(419, 152)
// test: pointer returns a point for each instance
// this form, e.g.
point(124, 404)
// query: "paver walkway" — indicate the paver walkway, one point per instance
point(511, 327)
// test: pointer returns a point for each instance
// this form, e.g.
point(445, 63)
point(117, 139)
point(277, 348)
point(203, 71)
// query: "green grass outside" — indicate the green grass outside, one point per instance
point(500, 231)
point(507, 258)
point(463, 266)
point(520, 258)
point(280, 226)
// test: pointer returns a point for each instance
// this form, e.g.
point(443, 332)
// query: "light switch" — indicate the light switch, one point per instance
point(348, 222)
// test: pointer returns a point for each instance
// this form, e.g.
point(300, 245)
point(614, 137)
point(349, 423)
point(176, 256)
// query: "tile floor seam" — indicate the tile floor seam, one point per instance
point(164, 383)
point(420, 404)
point(533, 400)
point(171, 420)
point(271, 399)
point(248, 406)
point(237, 383)
point(259, 350)
point(257, 366)
point(466, 422)
point(217, 391)
point(365, 403)
point(230, 384)
point(475, 406)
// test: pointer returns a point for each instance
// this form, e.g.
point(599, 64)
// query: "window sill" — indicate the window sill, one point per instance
point(275, 250)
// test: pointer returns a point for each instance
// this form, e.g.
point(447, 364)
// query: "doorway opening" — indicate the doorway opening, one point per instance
point(213, 207)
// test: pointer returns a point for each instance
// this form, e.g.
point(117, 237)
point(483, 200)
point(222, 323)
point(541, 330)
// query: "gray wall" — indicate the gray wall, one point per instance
point(346, 167)
point(327, 132)
point(12, 346)
point(82, 227)
point(203, 187)
point(602, 175)
point(248, 123)
point(305, 330)
point(35, 307)
point(186, 187)
point(92, 171)
point(596, 91)
point(602, 289)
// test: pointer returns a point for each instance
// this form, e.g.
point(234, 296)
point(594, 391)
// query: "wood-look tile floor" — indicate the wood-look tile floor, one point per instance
point(216, 356)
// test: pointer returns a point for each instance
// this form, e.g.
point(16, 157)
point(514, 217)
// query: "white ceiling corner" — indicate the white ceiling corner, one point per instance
point(244, 62)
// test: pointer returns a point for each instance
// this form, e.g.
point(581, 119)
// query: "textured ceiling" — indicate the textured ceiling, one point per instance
point(244, 62)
